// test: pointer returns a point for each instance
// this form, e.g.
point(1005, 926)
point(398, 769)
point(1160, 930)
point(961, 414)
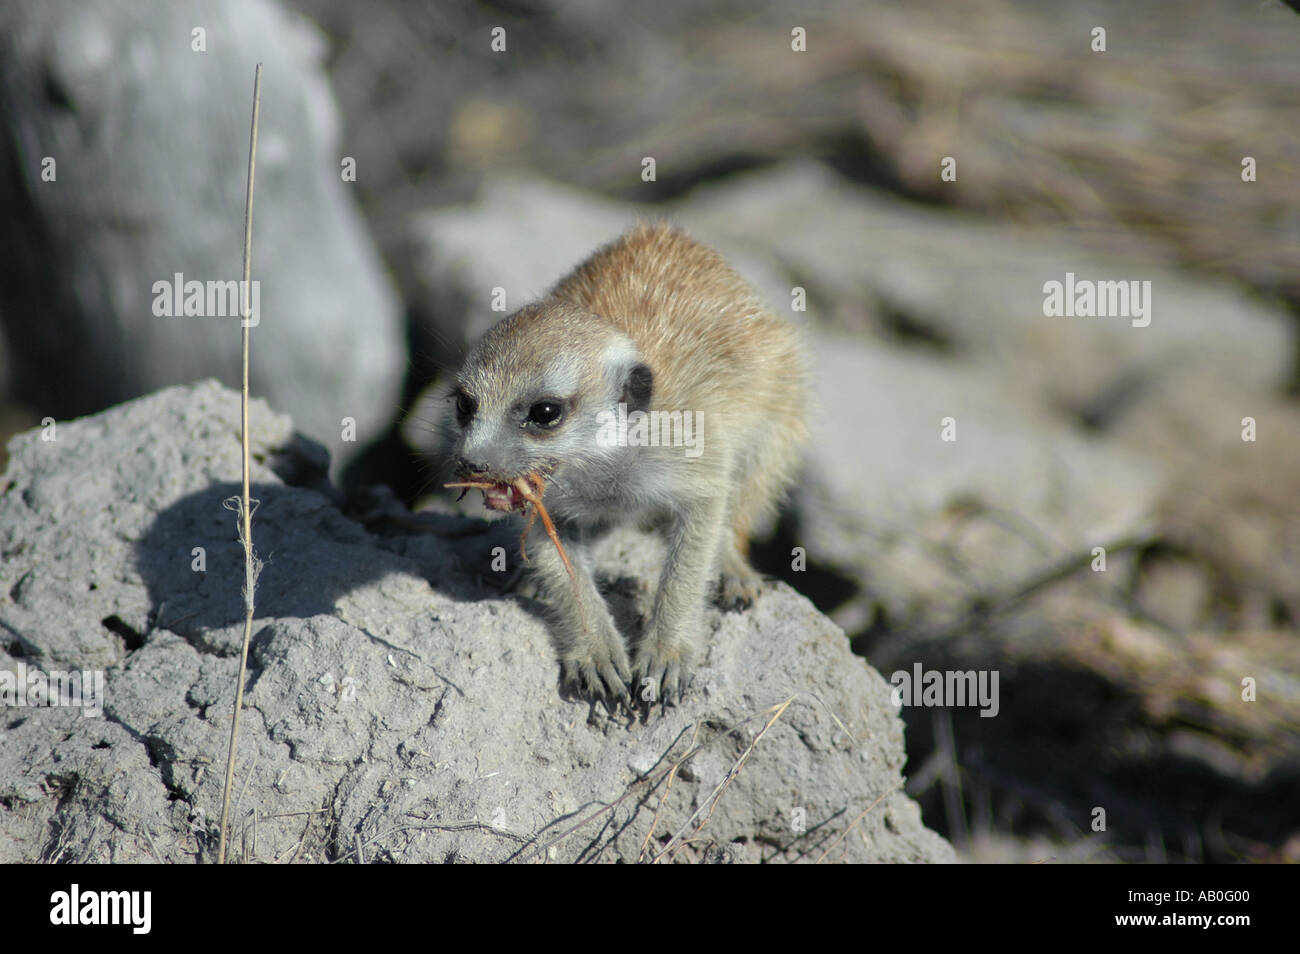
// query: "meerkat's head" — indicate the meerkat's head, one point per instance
point(530, 396)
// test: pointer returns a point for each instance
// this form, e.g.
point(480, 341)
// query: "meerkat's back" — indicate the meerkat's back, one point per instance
point(710, 341)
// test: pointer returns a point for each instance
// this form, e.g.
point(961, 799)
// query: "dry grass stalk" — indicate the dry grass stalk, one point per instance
point(244, 506)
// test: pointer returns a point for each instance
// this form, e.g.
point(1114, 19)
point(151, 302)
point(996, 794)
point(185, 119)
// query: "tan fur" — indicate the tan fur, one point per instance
point(712, 347)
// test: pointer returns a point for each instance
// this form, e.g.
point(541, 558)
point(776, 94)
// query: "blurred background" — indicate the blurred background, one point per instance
point(418, 160)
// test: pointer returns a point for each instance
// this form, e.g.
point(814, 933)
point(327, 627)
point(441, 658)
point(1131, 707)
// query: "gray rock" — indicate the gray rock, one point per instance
point(150, 138)
point(935, 524)
point(398, 708)
point(975, 290)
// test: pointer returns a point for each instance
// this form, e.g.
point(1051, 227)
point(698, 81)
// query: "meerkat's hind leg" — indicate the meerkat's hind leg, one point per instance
point(738, 583)
point(772, 464)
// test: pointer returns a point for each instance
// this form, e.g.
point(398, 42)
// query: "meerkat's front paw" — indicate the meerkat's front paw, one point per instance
point(661, 672)
point(598, 675)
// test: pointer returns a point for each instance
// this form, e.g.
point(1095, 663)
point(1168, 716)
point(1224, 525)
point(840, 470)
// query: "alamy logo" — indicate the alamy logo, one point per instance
point(103, 907)
point(30, 686)
point(943, 688)
point(652, 429)
point(1084, 298)
point(214, 299)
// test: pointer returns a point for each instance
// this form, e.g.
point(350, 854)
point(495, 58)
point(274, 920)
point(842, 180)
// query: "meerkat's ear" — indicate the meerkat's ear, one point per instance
point(637, 388)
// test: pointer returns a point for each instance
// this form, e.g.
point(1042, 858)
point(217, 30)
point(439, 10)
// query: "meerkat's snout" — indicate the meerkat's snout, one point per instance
point(658, 330)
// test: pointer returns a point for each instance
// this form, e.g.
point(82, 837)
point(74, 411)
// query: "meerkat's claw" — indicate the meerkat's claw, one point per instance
point(738, 586)
point(659, 680)
point(738, 593)
point(673, 685)
point(605, 681)
point(616, 685)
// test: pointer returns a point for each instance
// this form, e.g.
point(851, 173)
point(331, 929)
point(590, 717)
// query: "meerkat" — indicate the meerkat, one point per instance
point(651, 385)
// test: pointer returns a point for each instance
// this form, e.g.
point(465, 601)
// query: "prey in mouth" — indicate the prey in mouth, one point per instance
point(521, 495)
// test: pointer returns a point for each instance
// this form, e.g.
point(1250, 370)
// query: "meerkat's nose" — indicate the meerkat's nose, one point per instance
point(465, 467)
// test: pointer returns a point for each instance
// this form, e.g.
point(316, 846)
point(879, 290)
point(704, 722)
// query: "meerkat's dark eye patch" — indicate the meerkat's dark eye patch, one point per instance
point(465, 407)
point(547, 413)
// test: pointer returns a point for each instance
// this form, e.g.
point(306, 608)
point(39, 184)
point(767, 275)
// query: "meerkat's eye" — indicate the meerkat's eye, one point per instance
point(545, 413)
point(465, 407)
